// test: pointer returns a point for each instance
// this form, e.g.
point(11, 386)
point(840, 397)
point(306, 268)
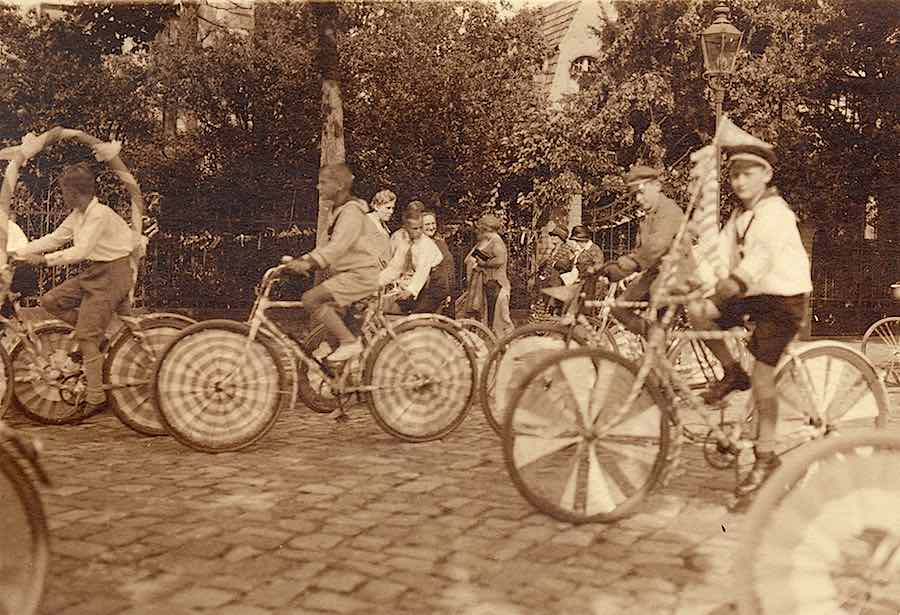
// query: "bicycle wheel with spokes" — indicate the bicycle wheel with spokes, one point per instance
point(48, 383)
point(881, 344)
point(24, 553)
point(514, 353)
point(421, 379)
point(832, 382)
point(823, 534)
point(128, 370)
point(571, 447)
point(216, 390)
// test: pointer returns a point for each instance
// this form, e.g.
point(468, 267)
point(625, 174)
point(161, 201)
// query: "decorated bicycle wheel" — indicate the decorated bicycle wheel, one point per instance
point(520, 349)
point(128, 371)
point(216, 390)
point(572, 445)
point(7, 381)
point(480, 338)
point(420, 380)
point(698, 367)
point(823, 534)
point(24, 554)
point(48, 382)
point(833, 382)
point(881, 344)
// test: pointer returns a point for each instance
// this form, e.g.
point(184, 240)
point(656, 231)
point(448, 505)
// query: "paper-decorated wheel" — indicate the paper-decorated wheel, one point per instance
point(128, 371)
point(420, 380)
point(48, 383)
point(216, 390)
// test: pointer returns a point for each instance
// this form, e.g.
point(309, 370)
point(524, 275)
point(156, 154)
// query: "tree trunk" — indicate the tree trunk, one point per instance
point(332, 112)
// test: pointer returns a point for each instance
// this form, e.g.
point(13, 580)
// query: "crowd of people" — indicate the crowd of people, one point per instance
point(768, 281)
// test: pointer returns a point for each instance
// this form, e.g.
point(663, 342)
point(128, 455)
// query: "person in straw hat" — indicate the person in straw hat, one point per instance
point(769, 281)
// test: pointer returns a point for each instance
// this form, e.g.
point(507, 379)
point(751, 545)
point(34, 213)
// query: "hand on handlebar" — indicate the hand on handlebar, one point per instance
point(299, 266)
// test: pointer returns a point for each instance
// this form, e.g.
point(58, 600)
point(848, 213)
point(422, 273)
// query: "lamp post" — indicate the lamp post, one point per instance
point(720, 43)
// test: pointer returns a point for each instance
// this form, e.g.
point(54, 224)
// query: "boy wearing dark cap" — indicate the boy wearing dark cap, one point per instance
point(769, 282)
point(656, 232)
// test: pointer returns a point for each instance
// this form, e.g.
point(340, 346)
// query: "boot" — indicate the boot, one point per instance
point(735, 379)
point(764, 466)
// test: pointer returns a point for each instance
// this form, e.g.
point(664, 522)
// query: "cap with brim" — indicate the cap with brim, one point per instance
point(558, 231)
point(640, 174)
point(580, 233)
point(753, 154)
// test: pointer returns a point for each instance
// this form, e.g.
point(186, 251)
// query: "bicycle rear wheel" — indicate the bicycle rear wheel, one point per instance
point(565, 449)
point(833, 382)
point(128, 371)
point(48, 384)
point(881, 344)
point(823, 534)
point(217, 391)
point(24, 553)
point(422, 379)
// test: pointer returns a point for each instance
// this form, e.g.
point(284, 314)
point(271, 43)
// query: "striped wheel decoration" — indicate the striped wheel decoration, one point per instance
point(217, 391)
point(7, 381)
point(422, 379)
point(47, 381)
point(128, 371)
point(25, 555)
point(566, 448)
point(823, 535)
point(479, 337)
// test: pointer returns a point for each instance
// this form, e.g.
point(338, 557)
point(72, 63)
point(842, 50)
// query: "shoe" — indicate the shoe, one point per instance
point(346, 351)
point(763, 468)
point(85, 410)
point(77, 357)
point(734, 380)
point(322, 351)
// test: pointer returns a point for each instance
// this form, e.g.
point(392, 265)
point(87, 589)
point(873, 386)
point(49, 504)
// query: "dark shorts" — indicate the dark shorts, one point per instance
point(777, 320)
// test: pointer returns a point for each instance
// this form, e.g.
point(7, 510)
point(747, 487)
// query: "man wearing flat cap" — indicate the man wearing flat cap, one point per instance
point(656, 232)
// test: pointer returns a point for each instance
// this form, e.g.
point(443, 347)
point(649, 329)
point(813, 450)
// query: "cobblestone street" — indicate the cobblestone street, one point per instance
point(325, 517)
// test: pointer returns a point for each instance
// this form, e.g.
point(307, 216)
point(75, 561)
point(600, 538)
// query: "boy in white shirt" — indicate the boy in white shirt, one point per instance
point(88, 300)
point(769, 282)
point(414, 256)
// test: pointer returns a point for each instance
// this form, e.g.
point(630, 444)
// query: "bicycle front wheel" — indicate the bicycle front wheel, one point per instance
point(823, 534)
point(572, 449)
point(420, 380)
point(24, 553)
point(216, 390)
point(881, 344)
point(128, 371)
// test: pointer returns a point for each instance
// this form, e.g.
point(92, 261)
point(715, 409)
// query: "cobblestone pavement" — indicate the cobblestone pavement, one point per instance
point(321, 517)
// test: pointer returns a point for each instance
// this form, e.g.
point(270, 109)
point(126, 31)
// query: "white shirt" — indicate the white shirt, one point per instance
point(97, 234)
point(764, 249)
point(411, 262)
point(15, 238)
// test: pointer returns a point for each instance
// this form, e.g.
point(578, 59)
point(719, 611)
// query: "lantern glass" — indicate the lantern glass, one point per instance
point(721, 43)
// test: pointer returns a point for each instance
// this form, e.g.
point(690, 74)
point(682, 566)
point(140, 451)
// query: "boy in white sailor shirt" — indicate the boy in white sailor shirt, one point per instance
point(769, 282)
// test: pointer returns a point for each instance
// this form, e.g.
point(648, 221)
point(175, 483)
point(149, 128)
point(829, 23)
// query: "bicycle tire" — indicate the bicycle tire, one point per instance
point(481, 338)
point(241, 388)
point(128, 371)
point(7, 381)
point(881, 345)
point(437, 353)
point(25, 553)
point(540, 428)
point(507, 368)
point(846, 388)
point(39, 380)
point(833, 494)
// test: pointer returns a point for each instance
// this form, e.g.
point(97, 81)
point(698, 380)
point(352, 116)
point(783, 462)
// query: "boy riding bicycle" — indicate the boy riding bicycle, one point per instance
point(769, 282)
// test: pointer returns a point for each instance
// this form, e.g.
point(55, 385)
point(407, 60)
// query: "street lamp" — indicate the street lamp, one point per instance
point(720, 42)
